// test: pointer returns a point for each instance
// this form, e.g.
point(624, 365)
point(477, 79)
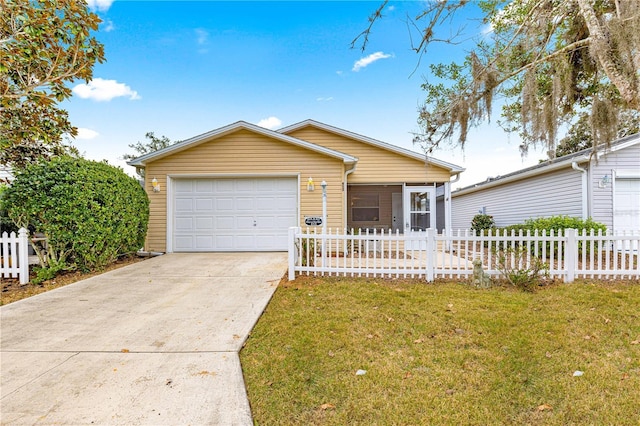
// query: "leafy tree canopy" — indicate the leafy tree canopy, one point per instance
point(153, 144)
point(44, 45)
point(547, 61)
point(579, 135)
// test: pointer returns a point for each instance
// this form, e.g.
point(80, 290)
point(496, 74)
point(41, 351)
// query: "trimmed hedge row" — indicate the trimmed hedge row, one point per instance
point(89, 211)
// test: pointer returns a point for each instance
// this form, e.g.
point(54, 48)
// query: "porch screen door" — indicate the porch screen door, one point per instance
point(419, 208)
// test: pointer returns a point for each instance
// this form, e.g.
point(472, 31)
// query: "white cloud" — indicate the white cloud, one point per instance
point(99, 90)
point(84, 133)
point(101, 5)
point(368, 60)
point(202, 36)
point(391, 8)
point(270, 123)
point(107, 25)
point(330, 98)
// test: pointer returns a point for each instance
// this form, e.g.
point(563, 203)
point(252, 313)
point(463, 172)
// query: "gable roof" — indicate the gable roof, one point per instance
point(548, 166)
point(453, 169)
point(239, 125)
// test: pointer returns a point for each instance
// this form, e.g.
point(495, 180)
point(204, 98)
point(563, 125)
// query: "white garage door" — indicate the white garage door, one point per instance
point(233, 214)
point(626, 214)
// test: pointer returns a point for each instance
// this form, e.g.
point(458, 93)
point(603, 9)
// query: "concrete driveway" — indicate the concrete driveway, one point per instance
point(152, 343)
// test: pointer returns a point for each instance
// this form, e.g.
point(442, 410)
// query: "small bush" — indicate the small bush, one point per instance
point(482, 222)
point(520, 269)
point(90, 212)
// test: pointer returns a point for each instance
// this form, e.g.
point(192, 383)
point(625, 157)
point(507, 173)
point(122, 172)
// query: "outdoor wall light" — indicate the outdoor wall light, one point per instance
point(310, 185)
point(155, 185)
point(604, 182)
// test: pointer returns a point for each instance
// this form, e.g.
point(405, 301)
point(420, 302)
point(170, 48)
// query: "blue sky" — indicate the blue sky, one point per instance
point(183, 68)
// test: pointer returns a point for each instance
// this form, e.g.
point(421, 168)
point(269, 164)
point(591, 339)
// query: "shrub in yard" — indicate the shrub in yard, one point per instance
point(482, 222)
point(557, 223)
point(520, 269)
point(90, 212)
point(6, 225)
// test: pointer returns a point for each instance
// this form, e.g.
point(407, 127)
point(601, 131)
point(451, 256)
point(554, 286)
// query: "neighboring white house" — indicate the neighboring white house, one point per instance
point(604, 185)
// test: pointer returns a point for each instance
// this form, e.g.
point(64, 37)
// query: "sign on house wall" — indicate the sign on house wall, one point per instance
point(313, 220)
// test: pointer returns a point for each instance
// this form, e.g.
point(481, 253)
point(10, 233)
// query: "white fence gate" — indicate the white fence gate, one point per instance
point(14, 255)
point(567, 255)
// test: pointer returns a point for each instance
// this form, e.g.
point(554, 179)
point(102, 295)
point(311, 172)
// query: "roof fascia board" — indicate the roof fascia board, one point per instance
point(521, 175)
point(389, 147)
point(216, 133)
point(579, 157)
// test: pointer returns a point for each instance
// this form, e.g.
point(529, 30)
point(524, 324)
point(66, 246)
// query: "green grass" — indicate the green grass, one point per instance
point(445, 354)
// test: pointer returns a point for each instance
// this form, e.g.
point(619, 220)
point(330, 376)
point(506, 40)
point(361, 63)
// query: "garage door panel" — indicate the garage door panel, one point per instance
point(183, 186)
point(204, 204)
point(204, 242)
point(184, 224)
point(184, 205)
point(204, 224)
point(245, 204)
point(183, 243)
point(245, 185)
point(245, 242)
point(268, 222)
point(225, 223)
point(224, 203)
point(234, 214)
point(223, 242)
point(627, 205)
point(244, 223)
point(203, 185)
point(224, 186)
point(285, 221)
point(288, 202)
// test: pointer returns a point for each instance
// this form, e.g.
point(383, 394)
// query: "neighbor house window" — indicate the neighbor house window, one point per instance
point(365, 208)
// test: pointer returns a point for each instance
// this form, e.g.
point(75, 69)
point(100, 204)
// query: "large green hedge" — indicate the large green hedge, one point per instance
point(89, 211)
point(557, 223)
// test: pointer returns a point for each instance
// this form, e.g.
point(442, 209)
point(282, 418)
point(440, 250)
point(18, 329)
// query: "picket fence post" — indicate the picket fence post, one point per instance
point(293, 231)
point(431, 251)
point(570, 254)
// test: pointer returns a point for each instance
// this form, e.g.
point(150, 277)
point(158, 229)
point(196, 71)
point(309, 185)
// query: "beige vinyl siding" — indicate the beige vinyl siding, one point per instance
point(554, 193)
point(250, 154)
point(375, 164)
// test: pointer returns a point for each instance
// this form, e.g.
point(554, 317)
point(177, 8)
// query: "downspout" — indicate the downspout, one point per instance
point(344, 193)
point(585, 192)
point(447, 208)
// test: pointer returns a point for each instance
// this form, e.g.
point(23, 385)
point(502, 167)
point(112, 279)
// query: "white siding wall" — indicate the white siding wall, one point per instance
point(555, 193)
point(625, 162)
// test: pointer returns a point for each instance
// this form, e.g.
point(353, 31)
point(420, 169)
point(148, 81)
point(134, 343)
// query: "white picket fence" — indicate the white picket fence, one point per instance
point(568, 255)
point(14, 255)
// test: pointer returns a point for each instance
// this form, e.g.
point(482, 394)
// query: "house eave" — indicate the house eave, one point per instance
point(579, 157)
point(143, 160)
point(452, 168)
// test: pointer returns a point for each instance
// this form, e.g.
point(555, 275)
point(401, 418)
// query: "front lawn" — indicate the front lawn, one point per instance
point(445, 354)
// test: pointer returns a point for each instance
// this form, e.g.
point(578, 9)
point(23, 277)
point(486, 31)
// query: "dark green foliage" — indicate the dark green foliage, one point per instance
point(6, 225)
point(557, 223)
point(482, 222)
point(90, 212)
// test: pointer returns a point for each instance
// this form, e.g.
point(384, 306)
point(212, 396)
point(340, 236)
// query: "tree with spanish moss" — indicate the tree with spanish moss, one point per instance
point(548, 62)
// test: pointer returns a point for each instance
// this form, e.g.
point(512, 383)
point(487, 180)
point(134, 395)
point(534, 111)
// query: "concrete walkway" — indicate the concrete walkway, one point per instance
point(152, 343)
